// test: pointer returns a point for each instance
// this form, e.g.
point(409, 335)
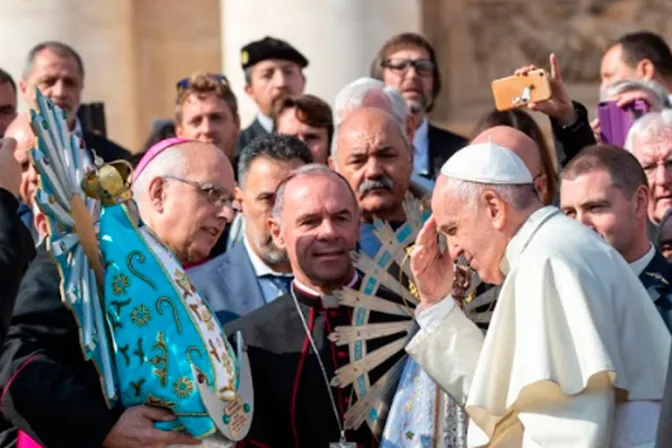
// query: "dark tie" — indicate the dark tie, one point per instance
point(282, 282)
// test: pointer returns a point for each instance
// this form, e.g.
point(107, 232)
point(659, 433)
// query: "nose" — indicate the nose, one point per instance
point(585, 219)
point(226, 212)
point(662, 177)
point(279, 79)
point(374, 169)
point(206, 126)
point(327, 231)
point(58, 89)
point(455, 251)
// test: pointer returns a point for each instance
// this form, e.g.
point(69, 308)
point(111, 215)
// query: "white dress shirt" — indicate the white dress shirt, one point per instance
point(269, 289)
point(265, 121)
point(638, 266)
point(421, 148)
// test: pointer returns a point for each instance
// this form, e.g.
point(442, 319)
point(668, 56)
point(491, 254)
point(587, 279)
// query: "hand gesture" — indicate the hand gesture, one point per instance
point(432, 270)
point(624, 99)
point(135, 428)
point(559, 106)
point(10, 171)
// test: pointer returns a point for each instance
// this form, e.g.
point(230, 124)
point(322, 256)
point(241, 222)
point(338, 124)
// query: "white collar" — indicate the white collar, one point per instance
point(311, 291)
point(259, 266)
point(638, 266)
point(265, 122)
point(524, 235)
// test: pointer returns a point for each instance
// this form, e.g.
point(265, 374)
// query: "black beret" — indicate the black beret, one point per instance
point(270, 48)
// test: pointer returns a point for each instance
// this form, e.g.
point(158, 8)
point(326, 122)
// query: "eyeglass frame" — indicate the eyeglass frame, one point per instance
point(184, 82)
point(226, 198)
point(407, 63)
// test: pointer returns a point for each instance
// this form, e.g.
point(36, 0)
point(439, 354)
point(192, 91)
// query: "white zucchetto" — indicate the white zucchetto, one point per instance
point(487, 163)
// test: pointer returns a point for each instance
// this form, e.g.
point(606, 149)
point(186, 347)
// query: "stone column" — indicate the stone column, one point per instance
point(339, 37)
point(102, 32)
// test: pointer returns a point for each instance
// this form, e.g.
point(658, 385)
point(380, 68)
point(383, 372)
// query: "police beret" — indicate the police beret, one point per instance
point(270, 48)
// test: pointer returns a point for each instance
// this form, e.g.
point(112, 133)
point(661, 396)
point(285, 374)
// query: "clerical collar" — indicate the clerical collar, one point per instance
point(265, 121)
point(639, 265)
point(524, 235)
point(305, 290)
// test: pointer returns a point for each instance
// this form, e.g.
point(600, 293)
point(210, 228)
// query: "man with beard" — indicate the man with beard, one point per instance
point(273, 71)
point(256, 271)
point(58, 71)
point(316, 220)
point(408, 62)
point(605, 188)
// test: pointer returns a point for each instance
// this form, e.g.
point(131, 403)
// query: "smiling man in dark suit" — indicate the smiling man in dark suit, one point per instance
point(408, 63)
point(255, 271)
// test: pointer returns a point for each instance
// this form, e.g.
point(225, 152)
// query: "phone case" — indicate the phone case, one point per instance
point(615, 122)
point(518, 91)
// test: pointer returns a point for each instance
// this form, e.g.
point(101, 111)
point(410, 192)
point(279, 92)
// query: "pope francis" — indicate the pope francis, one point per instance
point(576, 353)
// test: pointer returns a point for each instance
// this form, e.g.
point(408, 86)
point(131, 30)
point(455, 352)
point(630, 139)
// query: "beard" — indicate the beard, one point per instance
point(271, 253)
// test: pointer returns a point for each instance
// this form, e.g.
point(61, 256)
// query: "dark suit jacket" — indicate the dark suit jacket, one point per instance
point(229, 284)
point(16, 252)
point(250, 133)
point(442, 145)
point(104, 148)
point(570, 140)
point(657, 280)
point(49, 391)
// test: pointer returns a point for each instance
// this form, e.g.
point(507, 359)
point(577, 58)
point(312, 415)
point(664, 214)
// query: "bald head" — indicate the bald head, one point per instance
point(519, 143)
point(19, 129)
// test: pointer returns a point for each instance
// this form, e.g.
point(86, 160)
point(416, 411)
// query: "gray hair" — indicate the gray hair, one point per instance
point(650, 126)
point(656, 91)
point(520, 197)
point(353, 95)
point(312, 169)
point(170, 162)
point(61, 49)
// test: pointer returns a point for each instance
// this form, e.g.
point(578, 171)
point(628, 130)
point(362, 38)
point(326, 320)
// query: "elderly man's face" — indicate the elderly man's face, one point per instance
point(319, 228)
point(256, 198)
point(20, 130)
point(316, 139)
point(272, 80)
point(58, 78)
point(472, 231)
point(654, 153)
point(7, 106)
point(613, 68)
point(415, 84)
point(593, 200)
point(186, 218)
point(373, 156)
point(209, 119)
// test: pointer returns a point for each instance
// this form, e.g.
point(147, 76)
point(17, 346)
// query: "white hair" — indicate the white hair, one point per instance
point(655, 91)
point(650, 126)
point(353, 96)
point(520, 197)
point(170, 162)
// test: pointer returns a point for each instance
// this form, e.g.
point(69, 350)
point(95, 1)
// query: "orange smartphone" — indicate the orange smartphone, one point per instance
point(518, 91)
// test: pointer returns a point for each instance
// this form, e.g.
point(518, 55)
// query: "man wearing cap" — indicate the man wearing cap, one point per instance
point(562, 363)
point(273, 71)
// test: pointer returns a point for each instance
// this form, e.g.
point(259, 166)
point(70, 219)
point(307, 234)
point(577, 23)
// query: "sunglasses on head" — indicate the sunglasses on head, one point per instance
point(184, 83)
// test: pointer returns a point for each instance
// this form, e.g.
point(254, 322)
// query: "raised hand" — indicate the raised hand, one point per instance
point(559, 106)
point(432, 270)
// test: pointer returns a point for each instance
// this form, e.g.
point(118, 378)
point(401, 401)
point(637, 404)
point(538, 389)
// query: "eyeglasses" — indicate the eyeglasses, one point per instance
point(184, 83)
point(424, 67)
point(215, 194)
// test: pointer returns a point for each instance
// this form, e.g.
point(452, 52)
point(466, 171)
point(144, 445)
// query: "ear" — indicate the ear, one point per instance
point(26, 93)
point(156, 194)
point(179, 130)
point(645, 69)
point(238, 197)
point(40, 222)
point(304, 79)
point(248, 90)
point(276, 232)
point(641, 201)
point(495, 209)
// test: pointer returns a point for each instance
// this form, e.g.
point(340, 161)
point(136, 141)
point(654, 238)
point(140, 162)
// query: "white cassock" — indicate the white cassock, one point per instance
point(576, 352)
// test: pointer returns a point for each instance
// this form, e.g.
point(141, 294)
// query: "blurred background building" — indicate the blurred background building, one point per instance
point(134, 51)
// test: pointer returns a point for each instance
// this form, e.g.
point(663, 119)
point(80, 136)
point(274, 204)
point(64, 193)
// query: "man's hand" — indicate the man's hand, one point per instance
point(559, 106)
point(597, 133)
point(10, 171)
point(432, 270)
point(135, 428)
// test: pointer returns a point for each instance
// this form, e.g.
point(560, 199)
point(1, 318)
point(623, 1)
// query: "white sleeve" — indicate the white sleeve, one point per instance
point(430, 317)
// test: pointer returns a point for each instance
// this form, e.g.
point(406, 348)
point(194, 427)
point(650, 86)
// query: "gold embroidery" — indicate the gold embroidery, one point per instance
point(658, 277)
point(163, 300)
point(151, 400)
point(184, 283)
point(200, 372)
point(207, 319)
point(137, 386)
point(136, 254)
point(140, 315)
point(194, 308)
point(162, 359)
point(119, 284)
point(213, 350)
point(183, 387)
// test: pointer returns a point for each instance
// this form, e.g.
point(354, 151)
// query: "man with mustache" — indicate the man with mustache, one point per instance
point(273, 71)
point(316, 220)
point(255, 271)
point(408, 62)
point(58, 71)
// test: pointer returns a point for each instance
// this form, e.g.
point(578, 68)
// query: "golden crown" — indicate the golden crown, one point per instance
point(110, 183)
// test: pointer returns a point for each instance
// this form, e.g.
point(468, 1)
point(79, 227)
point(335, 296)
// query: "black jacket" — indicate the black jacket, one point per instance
point(16, 252)
point(104, 148)
point(49, 391)
point(442, 145)
point(570, 140)
point(250, 133)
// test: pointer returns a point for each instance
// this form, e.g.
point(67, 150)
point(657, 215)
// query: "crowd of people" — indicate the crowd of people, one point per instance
point(569, 244)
